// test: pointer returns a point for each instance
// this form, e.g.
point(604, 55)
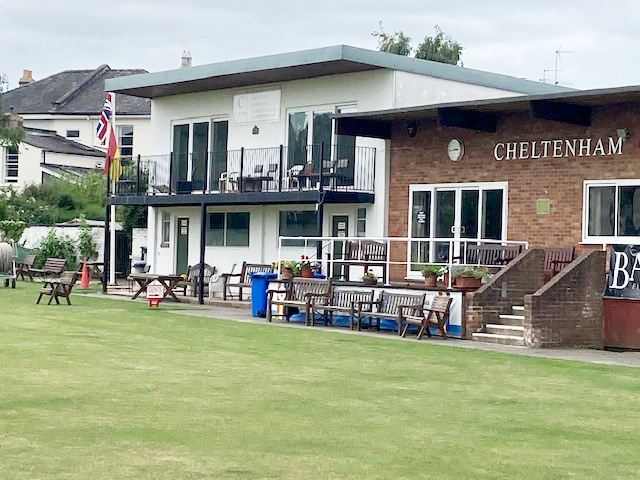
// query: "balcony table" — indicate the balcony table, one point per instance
point(169, 282)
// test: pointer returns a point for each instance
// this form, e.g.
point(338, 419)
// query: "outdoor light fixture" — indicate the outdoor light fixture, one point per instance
point(412, 129)
point(623, 132)
point(255, 130)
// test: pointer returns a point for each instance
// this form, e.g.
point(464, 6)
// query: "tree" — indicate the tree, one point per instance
point(398, 43)
point(439, 48)
point(11, 133)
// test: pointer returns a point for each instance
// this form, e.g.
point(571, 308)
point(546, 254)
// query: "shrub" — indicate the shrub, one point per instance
point(56, 246)
point(86, 245)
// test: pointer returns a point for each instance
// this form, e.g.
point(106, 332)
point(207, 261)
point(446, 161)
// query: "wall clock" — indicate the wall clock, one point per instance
point(455, 149)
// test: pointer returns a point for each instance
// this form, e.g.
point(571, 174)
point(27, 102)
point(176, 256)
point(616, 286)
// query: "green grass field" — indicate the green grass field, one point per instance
point(107, 389)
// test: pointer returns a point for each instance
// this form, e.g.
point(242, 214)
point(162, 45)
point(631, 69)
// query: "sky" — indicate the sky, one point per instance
point(513, 38)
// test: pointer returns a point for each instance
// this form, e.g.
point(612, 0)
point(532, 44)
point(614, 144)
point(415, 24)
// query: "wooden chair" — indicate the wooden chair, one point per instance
point(433, 316)
point(300, 294)
point(388, 305)
point(26, 267)
point(52, 268)
point(244, 278)
point(555, 259)
point(344, 301)
point(60, 287)
point(193, 277)
point(367, 253)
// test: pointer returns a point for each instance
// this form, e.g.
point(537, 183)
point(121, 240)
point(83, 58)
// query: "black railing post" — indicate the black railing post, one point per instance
point(280, 168)
point(320, 187)
point(240, 177)
point(170, 172)
point(205, 174)
point(138, 176)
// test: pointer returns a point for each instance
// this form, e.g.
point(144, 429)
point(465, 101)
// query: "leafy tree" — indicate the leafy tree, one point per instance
point(11, 132)
point(86, 245)
point(56, 246)
point(439, 48)
point(398, 43)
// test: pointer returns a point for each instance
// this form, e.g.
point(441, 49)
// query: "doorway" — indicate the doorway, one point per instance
point(182, 246)
point(339, 229)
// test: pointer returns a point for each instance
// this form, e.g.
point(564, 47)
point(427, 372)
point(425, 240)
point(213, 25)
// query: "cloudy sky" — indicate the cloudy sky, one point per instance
point(513, 38)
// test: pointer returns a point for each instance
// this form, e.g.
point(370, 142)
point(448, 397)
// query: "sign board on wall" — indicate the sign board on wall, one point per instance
point(624, 272)
point(257, 107)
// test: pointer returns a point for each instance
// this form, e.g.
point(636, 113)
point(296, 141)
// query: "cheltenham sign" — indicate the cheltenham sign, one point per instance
point(624, 272)
point(575, 147)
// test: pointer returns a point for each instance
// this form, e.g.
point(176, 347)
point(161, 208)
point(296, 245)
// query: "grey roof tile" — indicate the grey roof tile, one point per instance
point(49, 141)
point(74, 92)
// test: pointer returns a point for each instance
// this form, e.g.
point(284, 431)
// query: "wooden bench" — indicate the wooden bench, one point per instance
point(555, 259)
point(491, 254)
point(26, 267)
point(300, 293)
point(345, 301)
point(435, 315)
point(367, 253)
point(60, 287)
point(244, 278)
point(52, 268)
point(193, 279)
point(388, 305)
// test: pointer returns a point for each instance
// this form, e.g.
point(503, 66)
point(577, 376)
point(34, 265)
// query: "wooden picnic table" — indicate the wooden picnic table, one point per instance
point(169, 282)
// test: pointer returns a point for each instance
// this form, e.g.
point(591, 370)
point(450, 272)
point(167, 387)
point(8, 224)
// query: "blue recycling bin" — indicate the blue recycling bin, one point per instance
point(259, 286)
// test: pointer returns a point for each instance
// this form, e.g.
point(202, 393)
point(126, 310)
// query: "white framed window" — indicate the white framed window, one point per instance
point(611, 211)
point(453, 214)
point(10, 165)
point(228, 229)
point(361, 223)
point(166, 229)
point(125, 142)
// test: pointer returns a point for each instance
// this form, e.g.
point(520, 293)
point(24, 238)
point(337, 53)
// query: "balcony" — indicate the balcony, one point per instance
point(267, 170)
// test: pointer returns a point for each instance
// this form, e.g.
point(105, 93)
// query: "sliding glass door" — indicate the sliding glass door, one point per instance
point(446, 218)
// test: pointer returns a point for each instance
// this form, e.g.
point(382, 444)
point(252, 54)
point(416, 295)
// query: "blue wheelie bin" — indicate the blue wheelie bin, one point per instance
point(259, 286)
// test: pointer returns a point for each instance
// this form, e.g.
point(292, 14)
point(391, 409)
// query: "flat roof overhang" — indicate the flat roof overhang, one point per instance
point(248, 198)
point(568, 107)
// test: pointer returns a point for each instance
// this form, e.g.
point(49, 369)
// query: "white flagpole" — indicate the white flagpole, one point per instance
point(112, 254)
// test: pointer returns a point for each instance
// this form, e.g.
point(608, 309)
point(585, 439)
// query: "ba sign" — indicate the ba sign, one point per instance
point(624, 272)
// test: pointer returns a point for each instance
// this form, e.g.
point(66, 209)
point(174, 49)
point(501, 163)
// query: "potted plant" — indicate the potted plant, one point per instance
point(288, 269)
point(468, 276)
point(431, 274)
point(369, 278)
point(304, 267)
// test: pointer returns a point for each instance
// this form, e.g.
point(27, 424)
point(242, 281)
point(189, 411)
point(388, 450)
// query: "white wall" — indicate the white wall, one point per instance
point(32, 235)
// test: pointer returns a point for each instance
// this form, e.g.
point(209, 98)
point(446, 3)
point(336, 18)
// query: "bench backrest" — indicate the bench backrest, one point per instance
point(68, 278)
point(492, 254)
point(564, 255)
point(440, 304)
point(301, 286)
point(193, 274)
point(366, 250)
point(249, 268)
point(29, 260)
point(346, 298)
point(54, 265)
point(391, 302)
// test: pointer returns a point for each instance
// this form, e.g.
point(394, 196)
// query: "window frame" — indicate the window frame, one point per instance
point(165, 229)
point(121, 144)
point(73, 134)
point(11, 160)
point(294, 243)
point(606, 239)
point(225, 229)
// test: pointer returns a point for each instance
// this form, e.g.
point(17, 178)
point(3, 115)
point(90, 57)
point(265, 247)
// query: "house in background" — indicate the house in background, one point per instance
point(61, 111)
point(246, 151)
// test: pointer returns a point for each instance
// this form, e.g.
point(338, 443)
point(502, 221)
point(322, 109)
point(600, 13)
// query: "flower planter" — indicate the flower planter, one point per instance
point(468, 282)
point(369, 281)
point(430, 281)
point(306, 272)
point(287, 273)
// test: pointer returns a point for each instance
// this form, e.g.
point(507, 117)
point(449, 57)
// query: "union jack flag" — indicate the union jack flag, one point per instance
point(103, 123)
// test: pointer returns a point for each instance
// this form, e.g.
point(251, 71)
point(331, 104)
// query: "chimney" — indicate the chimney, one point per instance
point(26, 78)
point(186, 59)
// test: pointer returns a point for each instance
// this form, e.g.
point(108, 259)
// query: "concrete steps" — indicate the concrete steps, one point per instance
point(509, 330)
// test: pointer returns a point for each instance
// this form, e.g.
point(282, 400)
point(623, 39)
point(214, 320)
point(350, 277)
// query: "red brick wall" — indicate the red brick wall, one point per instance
point(423, 159)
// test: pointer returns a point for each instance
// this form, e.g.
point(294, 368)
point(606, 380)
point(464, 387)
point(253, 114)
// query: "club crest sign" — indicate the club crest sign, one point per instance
point(624, 272)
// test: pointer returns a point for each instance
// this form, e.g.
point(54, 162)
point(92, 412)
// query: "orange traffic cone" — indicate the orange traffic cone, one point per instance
point(84, 280)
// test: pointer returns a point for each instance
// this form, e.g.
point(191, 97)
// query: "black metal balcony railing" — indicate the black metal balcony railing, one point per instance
point(277, 169)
